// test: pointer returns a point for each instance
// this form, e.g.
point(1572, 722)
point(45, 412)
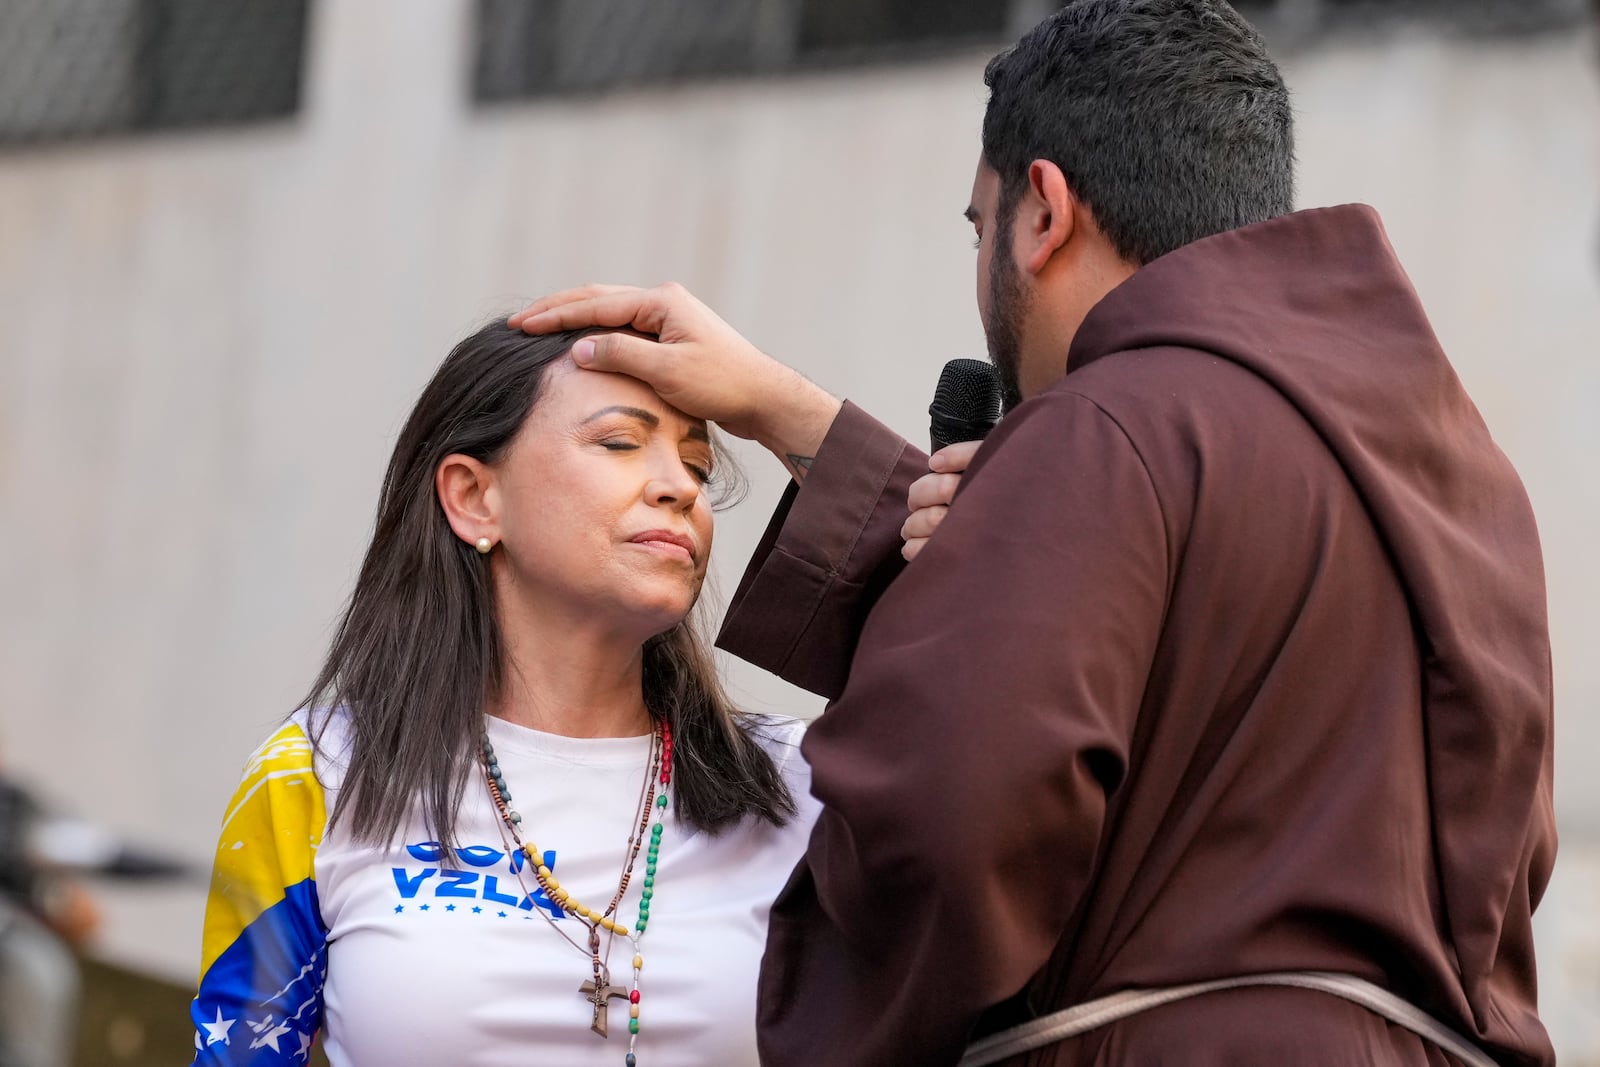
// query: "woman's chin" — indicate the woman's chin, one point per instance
point(656, 617)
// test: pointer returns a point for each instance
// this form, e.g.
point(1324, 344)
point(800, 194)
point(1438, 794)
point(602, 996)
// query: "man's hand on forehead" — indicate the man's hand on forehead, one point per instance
point(696, 362)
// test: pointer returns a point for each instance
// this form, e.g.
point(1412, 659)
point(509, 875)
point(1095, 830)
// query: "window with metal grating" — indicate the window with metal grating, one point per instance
point(80, 68)
point(530, 48)
point(1314, 19)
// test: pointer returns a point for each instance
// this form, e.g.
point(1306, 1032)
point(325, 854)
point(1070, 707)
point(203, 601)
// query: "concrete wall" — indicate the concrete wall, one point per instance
point(207, 343)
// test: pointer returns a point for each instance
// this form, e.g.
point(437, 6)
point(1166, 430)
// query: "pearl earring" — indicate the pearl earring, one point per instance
point(484, 545)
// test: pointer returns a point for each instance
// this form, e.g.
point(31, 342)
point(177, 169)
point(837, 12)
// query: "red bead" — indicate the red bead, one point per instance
point(634, 997)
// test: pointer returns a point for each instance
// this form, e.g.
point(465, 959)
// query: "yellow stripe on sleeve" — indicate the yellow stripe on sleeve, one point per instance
point(269, 839)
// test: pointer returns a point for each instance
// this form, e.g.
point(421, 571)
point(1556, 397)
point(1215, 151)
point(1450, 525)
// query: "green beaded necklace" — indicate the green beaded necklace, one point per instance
point(599, 991)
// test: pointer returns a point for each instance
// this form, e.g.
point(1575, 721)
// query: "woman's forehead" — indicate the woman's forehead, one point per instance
point(573, 393)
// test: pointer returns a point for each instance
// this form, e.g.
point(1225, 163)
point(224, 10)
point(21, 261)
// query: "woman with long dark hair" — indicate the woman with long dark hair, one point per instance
point(516, 819)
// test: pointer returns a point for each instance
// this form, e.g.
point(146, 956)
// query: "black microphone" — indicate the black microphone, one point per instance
point(966, 405)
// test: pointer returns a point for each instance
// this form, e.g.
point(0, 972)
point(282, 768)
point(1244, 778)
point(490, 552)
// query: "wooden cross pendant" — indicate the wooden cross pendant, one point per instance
point(599, 996)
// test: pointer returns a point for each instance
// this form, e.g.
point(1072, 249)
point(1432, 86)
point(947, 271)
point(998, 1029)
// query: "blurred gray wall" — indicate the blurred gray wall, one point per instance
point(208, 341)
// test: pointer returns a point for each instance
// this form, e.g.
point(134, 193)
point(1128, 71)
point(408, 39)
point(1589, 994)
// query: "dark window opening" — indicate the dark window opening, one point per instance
point(529, 48)
point(79, 68)
point(533, 48)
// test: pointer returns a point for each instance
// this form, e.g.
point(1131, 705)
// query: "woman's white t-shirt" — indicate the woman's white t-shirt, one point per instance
point(455, 960)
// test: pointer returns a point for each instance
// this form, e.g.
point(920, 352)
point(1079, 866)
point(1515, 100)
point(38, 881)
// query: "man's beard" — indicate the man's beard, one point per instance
point(1007, 302)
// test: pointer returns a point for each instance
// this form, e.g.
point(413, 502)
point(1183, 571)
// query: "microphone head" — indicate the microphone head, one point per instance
point(966, 404)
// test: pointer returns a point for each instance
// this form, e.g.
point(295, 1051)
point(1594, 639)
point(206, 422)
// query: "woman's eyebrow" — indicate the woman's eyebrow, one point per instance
point(696, 432)
point(646, 417)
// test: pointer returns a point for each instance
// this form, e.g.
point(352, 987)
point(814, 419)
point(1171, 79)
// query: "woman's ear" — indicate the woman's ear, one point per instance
point(470, 498)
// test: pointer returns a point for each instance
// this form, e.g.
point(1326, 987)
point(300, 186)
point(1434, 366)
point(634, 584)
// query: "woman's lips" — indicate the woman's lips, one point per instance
point(667, 543)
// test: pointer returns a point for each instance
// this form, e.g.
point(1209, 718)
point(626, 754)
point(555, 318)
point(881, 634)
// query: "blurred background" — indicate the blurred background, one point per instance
point(236, 236)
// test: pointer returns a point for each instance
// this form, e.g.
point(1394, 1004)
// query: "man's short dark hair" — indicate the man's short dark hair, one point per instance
point(1166, 116)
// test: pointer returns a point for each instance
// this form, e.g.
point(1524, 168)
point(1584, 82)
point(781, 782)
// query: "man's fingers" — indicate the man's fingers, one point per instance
point(931, 490)
point(953, 459)
point(566, 296)
point(922, 523)
point(623, 353)
point(910, 549)
point(625, 307)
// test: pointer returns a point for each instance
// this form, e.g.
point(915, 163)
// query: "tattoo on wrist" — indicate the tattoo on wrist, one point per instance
point(799, 465)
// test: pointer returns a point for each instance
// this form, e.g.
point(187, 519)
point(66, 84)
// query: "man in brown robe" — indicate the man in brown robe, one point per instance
point(1230, 656)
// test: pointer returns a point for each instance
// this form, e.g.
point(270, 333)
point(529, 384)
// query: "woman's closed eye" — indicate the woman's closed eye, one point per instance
point(702, 471)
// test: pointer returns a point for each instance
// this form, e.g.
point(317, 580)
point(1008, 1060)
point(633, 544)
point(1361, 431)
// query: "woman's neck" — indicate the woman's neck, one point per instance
point(565, 678)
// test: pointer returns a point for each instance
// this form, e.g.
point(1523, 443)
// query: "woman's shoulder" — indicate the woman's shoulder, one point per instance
point(282, 785)
point(316, 739)
point(778, 735)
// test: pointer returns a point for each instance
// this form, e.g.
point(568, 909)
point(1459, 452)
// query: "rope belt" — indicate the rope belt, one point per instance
point(1060, 1025)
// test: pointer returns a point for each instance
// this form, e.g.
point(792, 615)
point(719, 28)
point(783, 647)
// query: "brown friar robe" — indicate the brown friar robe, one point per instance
point(1229, 657)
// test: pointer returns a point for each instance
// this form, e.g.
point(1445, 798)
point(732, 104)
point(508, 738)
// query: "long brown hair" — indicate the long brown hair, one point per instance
point(417, 654)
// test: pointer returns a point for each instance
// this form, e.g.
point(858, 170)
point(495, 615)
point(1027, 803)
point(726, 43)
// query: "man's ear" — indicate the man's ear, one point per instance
point(470, 498)
point(1046, 217)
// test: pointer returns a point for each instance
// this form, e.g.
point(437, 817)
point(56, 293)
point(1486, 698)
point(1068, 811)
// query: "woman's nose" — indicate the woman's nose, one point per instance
point(673, 485)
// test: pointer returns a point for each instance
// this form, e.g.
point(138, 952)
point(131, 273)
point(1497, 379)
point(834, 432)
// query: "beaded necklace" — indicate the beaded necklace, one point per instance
point(599, 991)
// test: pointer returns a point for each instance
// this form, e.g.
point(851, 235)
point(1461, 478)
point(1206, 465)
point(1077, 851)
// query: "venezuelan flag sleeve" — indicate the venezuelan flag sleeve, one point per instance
point(265, 946)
